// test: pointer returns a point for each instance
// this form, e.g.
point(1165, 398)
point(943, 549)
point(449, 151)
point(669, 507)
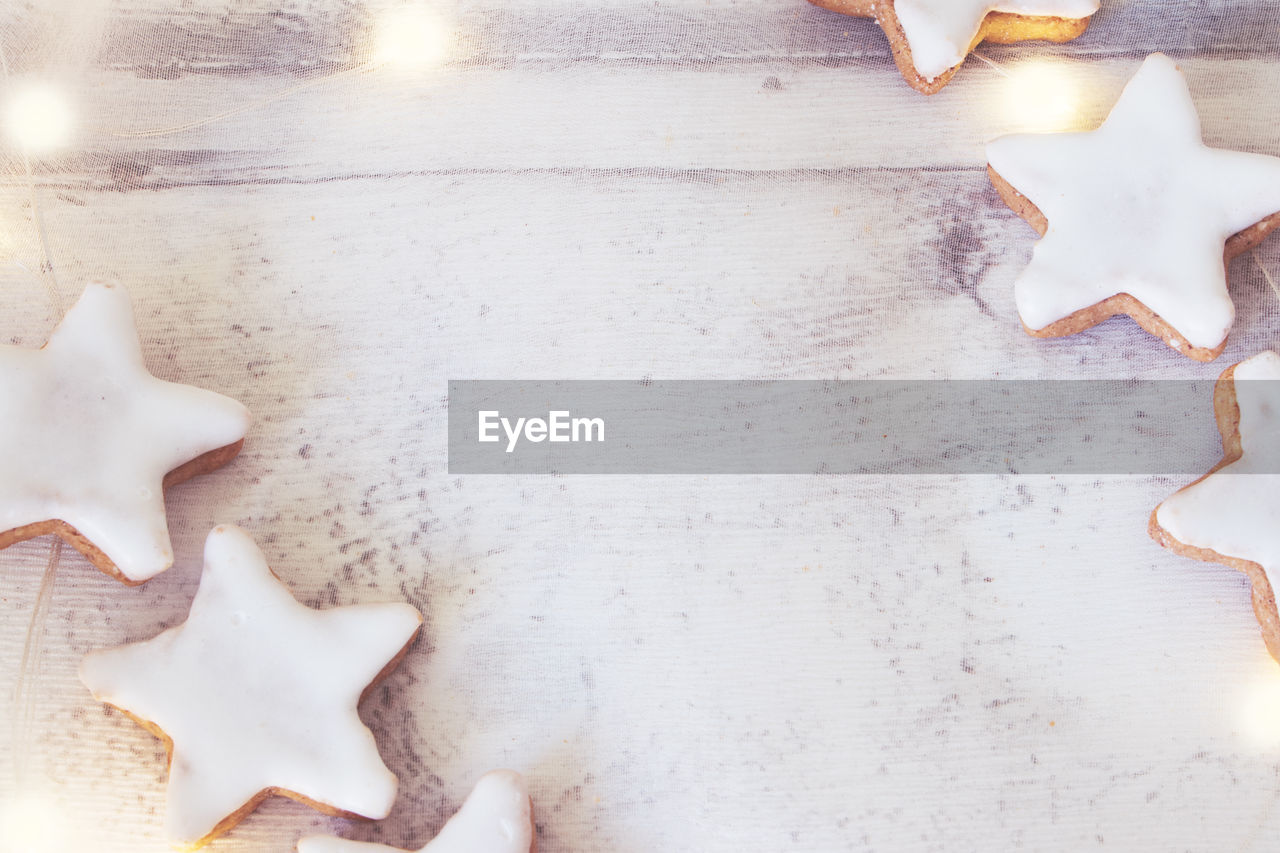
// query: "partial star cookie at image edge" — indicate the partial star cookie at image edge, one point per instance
point(931, 38)
point(497, 817)
point(92, 439)
point(1138, 217)
point(1232, 514)
point(256, 694)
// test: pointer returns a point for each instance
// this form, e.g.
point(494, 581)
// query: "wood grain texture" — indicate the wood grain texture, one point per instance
point(619, 190)
point(994, 28)
point(314, 36)
point(583, 121)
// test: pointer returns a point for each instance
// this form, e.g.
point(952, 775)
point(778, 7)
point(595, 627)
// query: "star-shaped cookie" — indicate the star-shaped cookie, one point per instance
point(1138, 217)
point(256, 694)
point(1232, 514)
point(91, 439)
point(931, 38)
point(497, 817)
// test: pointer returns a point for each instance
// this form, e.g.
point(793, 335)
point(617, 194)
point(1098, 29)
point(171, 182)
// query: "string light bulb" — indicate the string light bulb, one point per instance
point(1042, 96)
point(31, 824)
point(38, 118)
point(412, 37)
point(1258, 706)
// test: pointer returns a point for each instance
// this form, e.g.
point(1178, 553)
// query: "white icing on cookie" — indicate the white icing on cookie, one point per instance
point(1138, 206)
point(496, 818)
point(88, 434)
point(257, 691)
point(941, 32)
point(1236, 510)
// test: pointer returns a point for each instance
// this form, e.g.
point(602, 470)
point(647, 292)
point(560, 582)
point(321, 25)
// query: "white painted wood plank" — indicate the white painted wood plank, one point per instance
point(302, 38)
point(381, 124)
point(804, 276)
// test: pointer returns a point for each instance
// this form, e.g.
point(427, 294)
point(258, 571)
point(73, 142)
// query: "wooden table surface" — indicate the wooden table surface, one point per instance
point(685, 189)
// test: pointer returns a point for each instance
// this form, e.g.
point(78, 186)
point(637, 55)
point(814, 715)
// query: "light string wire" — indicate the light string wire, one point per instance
point(993, 64)
point(410, 35)
point(25, 694)
point(29, 669)
point(1257, 259)
point(264, 101)
point(24, 691)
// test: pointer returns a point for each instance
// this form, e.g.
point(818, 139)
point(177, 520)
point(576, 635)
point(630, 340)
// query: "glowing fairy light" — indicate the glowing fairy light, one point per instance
point(31, 824)
point(38, 118)
point(1042, 96)
point(412, 36)
point(1258, 709)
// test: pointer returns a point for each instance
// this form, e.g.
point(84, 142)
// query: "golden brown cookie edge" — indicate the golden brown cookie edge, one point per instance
point(1124, 303)
point(997, 27)
point(202, 464)
point(1227, 413)
point(230, 821)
